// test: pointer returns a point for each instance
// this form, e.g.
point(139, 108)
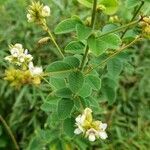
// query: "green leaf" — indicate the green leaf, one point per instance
point(66, 26)
point(83, 32)
point(110, 5)
point(94, 82)
point(99, 45)
point(35, 144)
point(75, 47)
point(108, 89)
point(114, 67)
point(68, 127)
point(72, 61)
point(57, 83)
point(50, 104)
point(58, 66)
point(87, 3)
point(131, 3)
point(93, 103)
point(64, 93)
point(85, 91)
point(65, 107)
point(76, 80)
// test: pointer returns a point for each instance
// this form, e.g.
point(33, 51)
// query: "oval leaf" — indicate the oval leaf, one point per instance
point(76, 81)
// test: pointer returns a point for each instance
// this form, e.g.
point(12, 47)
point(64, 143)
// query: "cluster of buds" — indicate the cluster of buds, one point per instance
point(145, 24)
point(38, 12)
point(22, 70)
point(90, 128)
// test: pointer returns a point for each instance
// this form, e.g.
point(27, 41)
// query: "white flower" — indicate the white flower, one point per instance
point(27, 55)
point(77, 131)
point(93, 129)
point(35, 71)
point(21, 58)
point(91, 134)
point(102, 133)
point(14, 52)
point(29, 17)
point(18, 55)
point(46, 11)
point(18, 46)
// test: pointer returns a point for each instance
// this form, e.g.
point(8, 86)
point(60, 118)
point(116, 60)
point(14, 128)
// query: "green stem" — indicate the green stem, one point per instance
point(114, 54)
point(9, 132)
point(120, 28)
point(52, 39)
point(57, 72)
point(92, 26)
point(136, 13)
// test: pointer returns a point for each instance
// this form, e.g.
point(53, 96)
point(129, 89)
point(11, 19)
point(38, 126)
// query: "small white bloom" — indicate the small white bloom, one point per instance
point(46, 11)
point(21, 58)
point(29, 17)
point(28, 56)
point(77, 131)
point(18, 46)
point(103, 126)
point(92, 137)
point(91, 134)
point(103, 135)
point(35, 71)
point(14, 52)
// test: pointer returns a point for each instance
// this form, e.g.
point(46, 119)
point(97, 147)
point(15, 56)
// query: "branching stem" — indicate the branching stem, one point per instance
point(9, 132)
point(135, 14)
point(114, 54)
point(92, 26)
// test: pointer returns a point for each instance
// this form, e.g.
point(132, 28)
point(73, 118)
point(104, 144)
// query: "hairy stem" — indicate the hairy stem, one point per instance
point(114, 54)
point(52, 39)
point(135, 14)
point(92, 26)
point(9, 132)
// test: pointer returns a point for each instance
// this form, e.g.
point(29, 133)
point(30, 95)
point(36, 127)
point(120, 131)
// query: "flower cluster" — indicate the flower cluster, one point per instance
point(145, 24)
point(37, 13)
point(90, 128)
point(22, 70)
point(18, 56)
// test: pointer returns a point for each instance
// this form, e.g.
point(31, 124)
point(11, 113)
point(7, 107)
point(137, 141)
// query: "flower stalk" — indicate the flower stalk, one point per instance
point(46, 28)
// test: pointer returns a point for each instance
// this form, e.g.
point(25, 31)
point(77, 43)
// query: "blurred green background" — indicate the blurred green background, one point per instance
point(128, 118)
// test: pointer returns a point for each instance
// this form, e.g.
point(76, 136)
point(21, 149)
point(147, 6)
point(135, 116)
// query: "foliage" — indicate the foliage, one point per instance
point(102, 69)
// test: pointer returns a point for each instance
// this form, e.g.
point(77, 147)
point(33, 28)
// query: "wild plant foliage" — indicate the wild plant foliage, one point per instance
point(84, 78)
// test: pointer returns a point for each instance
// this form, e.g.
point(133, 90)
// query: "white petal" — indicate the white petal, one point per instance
point(92, 137)
point(77, 131)
point(103, 126)
point(29, 17)
point(18, 45)
point(31, 66)
point(26, 52)
point(78, 119)
point(14, 52)
point(103, 135)
point(46, 11)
